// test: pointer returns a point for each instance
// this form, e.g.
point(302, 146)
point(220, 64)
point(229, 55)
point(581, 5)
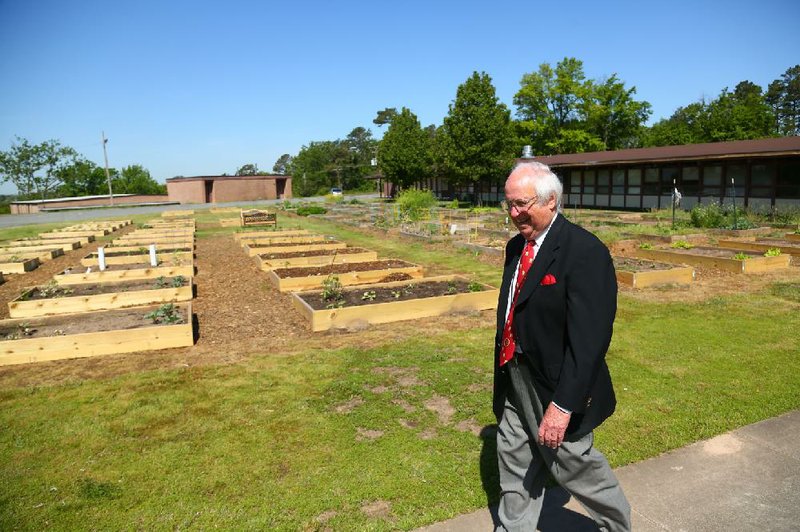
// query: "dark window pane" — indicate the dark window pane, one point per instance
point(634, 177)
point(712, 175)
point(589, 177)
point(603, 177)
point(762, 174)
point(651, 175)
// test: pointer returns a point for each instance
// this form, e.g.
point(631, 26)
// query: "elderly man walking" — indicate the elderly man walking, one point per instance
point(552, 387)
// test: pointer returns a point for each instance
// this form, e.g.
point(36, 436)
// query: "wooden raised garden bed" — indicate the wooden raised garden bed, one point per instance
point(17, 264)
point(121, 272)
point(721, 259)
point(81, 233)
point(43, 255)
point(229, 222)
point(39, 245)
point(271, 261)
point(176, 258)
point(310, 278)
point(761, 246)
point(241, 235)
point(292, 247)
point(269, 240)
point(92, 333)
point(641, 273)
point(792, 237)
point(80, 240)
point(162, 247)
point(395, 301)
point(63, 299)
point(178, 213)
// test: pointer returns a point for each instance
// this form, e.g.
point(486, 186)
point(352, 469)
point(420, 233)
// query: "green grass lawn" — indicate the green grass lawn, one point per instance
point(367, 439)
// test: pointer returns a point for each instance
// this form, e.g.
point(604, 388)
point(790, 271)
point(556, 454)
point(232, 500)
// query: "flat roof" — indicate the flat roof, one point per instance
point(772, 147)
point(78, 198)
point(228, 177)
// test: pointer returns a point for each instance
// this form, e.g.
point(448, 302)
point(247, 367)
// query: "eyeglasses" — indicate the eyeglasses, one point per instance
point(520, 204)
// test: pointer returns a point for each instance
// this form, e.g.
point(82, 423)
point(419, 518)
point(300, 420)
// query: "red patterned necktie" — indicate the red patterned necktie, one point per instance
point(509, 343)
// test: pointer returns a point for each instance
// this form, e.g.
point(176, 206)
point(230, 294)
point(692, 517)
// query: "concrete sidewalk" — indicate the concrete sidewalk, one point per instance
point(744, 480)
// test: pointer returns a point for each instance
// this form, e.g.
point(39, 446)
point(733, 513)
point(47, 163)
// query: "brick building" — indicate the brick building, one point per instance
point(223, 189)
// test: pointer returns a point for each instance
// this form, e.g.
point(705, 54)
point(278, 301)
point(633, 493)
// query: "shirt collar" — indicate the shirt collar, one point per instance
point(540, 239)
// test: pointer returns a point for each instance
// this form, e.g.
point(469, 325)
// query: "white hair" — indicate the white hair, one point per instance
point(545, 182)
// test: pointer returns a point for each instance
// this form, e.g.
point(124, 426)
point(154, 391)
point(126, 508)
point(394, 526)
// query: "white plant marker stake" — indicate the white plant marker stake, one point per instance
point(153, 261)
point(101, 258)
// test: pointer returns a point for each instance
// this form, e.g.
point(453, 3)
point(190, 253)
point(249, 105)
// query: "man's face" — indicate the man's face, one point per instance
point(528, 216)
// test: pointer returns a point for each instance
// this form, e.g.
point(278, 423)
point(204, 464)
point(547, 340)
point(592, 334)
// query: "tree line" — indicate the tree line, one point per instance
point(51, 170)
point(558, 110)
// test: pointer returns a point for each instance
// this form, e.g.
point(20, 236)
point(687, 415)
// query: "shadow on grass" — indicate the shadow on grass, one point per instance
point(554, 517)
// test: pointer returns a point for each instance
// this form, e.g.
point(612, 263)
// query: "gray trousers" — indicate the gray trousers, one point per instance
point(524, 464)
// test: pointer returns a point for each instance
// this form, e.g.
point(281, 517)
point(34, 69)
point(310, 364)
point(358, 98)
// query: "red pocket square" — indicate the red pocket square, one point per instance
point(548, 279)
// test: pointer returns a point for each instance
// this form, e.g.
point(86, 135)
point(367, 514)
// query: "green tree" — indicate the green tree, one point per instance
point(550, 100)
point(283, 164)
point(405, 150)
point(35, 168)
point(83, 178)
point(739, 115)
point(135, 179)
point(612, 114)
point(248, 169)
point(313, 169)
point(783, 98)
point(686, 126)
point(385, 117)
point(477, 142)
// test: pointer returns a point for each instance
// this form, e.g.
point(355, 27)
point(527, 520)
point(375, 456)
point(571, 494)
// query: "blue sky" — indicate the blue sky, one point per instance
point(200, 88)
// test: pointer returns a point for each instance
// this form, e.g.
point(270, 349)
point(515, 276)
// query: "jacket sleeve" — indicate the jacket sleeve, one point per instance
point(591, 308)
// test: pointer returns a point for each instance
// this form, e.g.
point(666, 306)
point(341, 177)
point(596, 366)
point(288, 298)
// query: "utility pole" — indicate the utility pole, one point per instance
point(108, 176)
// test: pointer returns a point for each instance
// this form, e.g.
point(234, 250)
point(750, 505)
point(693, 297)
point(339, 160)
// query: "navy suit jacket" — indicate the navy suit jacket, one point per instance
point(563, 325)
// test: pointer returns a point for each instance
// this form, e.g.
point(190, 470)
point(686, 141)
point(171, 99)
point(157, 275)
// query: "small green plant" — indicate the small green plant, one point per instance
point(167, 313)
point(332, 292)
point(682, 244)
point(475, 286)
point(161, 282)
point(142, 250)
point(396, 293)
point(23, 329)
point(305, 210)
point(645, 245)
point(369, 295)
point(413, 202)
point(451, 287)
point(741, 256)
point(772, 252)
point(178, 281)
point(53, 289)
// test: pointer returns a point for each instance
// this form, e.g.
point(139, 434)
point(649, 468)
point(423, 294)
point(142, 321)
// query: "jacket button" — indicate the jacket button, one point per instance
point(588, 402)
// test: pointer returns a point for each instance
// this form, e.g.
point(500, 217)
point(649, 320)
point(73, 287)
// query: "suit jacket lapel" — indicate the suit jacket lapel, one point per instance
point(543, 261)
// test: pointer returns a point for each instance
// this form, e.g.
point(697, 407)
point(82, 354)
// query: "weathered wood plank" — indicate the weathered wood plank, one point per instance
point(19, 308)
point(135, 274)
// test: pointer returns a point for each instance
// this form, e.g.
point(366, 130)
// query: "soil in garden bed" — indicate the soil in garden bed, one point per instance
point(341, 268)
point(87, 322)
point(316, 253)
point(639, 265)
point(714, 252)
point(267, 244)
point(371, 296)
point(144, 251)
point(41, 292)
